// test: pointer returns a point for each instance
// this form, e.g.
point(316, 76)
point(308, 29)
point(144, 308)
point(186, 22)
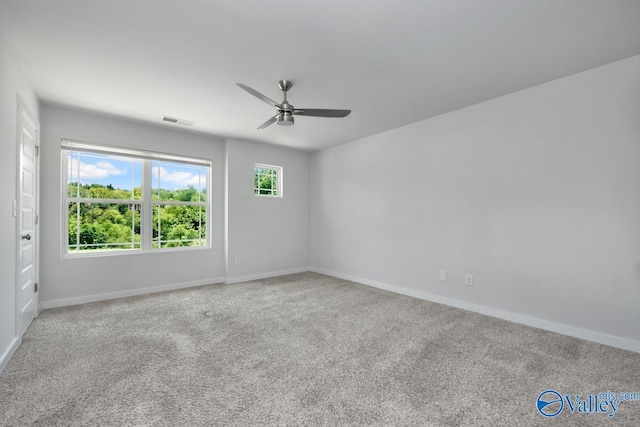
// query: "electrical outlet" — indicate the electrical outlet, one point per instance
point(443, 275)
point(468, 279)
point(237, 261)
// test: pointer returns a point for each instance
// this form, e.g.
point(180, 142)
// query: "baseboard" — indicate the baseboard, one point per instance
point(120, 294)
point(63, 302)
point(239, 279)
point(560, 328)
point(4, 359)
point(600, 338)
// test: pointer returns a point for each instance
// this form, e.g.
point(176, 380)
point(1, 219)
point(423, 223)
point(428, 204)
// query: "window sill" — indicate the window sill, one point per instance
point(268, 196)
point(121, 252)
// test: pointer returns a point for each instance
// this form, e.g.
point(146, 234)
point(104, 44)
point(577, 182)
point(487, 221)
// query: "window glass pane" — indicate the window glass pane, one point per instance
point(177, 181)
point(103, 226)
point(103, 176)
point(175, 225)
point(105, 206)
point(265, 181)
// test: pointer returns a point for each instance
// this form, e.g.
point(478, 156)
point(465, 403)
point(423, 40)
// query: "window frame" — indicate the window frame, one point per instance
point(146, 203)
point(279, 180)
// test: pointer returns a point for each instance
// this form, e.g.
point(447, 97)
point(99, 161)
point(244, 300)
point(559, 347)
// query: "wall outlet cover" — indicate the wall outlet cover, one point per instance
point(468, 279)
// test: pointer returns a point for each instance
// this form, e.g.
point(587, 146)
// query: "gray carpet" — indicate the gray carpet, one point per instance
point(304, 349)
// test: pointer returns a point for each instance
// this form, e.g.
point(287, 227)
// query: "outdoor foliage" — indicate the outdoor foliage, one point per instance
point(117, 225)
point(265, 181)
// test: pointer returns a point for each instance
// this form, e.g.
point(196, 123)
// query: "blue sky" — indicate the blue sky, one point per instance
point(127, 173)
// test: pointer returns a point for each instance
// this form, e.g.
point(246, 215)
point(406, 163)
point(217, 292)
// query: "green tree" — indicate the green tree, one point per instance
point(117, 225)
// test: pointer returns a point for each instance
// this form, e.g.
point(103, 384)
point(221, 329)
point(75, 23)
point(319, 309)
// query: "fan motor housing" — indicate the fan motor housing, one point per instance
point(285, 118)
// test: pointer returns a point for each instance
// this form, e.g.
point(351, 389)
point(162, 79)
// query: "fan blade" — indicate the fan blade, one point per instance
point(258, 95)
point(314, 112)
point(269, 122)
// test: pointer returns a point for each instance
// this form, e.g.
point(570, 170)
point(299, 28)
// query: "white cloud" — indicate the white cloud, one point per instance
point(180, 179)
point(83, 171)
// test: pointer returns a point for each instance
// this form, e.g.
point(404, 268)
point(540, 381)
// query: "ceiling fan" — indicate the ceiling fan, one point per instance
point(286, 111)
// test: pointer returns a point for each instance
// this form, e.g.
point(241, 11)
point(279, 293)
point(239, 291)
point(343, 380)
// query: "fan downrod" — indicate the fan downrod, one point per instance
point(285, 110)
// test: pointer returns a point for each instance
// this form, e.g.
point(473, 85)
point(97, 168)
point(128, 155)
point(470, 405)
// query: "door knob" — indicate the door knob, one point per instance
point(26, 237)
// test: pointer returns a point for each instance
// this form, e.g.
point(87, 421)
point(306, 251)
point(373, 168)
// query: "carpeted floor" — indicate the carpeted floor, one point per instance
point(304, 349)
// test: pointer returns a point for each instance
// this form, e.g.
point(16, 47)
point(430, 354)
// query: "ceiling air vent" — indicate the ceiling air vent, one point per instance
point(177, 121)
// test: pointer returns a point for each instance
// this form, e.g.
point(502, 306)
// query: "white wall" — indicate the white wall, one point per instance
point(65, 281)
point(536, 193)
point(12, 84)
point(267, 234)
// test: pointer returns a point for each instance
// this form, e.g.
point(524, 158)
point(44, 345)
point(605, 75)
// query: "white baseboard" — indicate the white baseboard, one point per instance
point(4, 359)
point(560, 328)
point(63, 302)
point(239, 279)
point(120, 294)
point(613, 341)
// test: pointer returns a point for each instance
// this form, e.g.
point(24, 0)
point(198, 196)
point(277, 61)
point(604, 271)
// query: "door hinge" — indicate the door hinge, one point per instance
point(35, 287)
point(35, 220)
point(37, 150)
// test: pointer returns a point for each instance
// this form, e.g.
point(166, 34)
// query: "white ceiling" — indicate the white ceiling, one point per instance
point(391, 62)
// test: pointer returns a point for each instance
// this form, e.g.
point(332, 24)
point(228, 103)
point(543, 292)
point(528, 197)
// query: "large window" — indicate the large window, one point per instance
point(118, 199)
point(267, 180)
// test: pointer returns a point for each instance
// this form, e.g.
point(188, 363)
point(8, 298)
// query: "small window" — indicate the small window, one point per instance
point(267, 180)
point(117, 199)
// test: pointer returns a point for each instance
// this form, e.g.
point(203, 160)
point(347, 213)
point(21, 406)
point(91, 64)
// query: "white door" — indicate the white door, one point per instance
point(27, 217)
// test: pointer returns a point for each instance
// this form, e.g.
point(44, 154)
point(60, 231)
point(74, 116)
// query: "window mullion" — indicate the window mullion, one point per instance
point(146, 214)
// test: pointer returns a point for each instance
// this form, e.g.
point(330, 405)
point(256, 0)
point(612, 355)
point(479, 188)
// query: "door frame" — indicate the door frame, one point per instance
point(23, 107)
